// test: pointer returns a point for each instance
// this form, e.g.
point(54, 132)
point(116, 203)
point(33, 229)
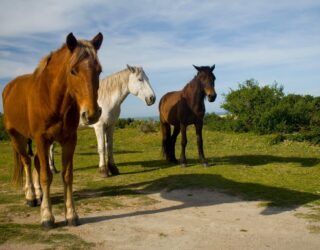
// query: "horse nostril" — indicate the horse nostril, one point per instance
point(84, 115)
point(152, 99)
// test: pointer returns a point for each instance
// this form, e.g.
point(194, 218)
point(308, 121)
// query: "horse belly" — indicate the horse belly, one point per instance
point(169, 106)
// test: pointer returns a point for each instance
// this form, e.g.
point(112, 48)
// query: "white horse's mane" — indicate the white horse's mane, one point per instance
point(114, 82)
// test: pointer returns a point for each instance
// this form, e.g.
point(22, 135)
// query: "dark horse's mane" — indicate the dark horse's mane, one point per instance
point(191, 83)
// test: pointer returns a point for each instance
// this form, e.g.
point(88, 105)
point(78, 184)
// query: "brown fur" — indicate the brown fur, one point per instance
point(183, 108)
point(44, 106)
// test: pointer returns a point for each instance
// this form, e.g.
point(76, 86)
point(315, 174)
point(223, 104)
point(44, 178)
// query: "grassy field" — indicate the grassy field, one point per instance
point(247, 165)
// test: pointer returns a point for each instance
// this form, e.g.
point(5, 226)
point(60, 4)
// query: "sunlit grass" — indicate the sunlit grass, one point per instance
point(246, 165)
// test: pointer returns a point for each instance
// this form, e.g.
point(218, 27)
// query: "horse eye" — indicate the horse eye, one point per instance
point(73, 72)
point(140, 79)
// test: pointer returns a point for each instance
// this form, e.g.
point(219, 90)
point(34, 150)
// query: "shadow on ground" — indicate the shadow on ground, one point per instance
point(259, 160)
point(277, 199)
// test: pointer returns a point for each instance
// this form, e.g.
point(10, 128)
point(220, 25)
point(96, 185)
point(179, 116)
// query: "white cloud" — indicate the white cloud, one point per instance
point(167, 36)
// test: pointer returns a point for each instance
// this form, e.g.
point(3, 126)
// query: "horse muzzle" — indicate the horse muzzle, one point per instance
point(212, 98)
point(150, 100)
point(87, 119)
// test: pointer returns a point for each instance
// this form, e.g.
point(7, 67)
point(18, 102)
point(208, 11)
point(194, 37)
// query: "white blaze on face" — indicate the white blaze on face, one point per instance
point(139, 86)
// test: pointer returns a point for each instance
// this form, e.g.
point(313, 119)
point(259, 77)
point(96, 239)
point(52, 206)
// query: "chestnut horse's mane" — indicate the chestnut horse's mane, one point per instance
point(84, 49)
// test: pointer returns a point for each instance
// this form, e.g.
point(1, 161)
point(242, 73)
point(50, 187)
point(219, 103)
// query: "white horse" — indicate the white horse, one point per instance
point(113, 90)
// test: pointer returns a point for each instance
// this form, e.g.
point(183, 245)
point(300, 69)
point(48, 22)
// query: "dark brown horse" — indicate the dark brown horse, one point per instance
point(46, 106)
point(185, 107)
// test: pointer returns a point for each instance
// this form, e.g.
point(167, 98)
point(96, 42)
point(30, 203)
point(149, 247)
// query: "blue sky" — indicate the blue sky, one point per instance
point(265, 40)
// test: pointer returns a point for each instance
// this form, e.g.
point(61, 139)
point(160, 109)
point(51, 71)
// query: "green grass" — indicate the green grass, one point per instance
point(285, 174)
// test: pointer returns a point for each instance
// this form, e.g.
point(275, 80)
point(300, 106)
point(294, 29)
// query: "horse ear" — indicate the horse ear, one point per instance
point(196, 67)
point(212, 67)
point(132, 70)
point(97, 41)
point(71, 42)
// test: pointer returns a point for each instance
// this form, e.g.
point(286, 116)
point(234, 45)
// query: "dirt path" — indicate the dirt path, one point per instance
point(197, 219)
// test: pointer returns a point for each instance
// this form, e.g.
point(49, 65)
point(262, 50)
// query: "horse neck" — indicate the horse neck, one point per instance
point(53, 83)
point(114, 89)
point(194, 95)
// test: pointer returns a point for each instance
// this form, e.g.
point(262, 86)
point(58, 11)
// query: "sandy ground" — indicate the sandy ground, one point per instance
point(197, 219)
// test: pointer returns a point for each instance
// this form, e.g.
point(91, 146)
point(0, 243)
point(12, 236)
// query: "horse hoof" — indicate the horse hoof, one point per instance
point(103, 171)
point(174, 161)
point(114, 170)
point(47, 224)
point(183, 165)
point(105, 175)
point(32, 203)
point(54, 171)
point(73, 222)
point(205, 164)
point(39, 200)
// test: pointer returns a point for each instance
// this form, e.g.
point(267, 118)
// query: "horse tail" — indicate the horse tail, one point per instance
point(17, 178)
point(166, 137)
point(30, 152)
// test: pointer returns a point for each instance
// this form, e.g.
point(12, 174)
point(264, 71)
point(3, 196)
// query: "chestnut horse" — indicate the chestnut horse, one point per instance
point(185, 107)
point(46, 106)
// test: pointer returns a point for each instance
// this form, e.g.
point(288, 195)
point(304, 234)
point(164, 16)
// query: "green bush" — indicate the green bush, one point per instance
point(124, 122)
point(3, 133)
point(266, 110)
point(219, 123)
point(145, 126)
point(149, 126)
point(250, 103)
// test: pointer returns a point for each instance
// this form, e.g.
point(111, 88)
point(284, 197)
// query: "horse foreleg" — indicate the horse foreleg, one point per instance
point(47, 218)
point(51, 160)
point(68, 148)
point(103, 168)
point(200, 144)
point(183, 160)
point(174, 136)
point(109, 139)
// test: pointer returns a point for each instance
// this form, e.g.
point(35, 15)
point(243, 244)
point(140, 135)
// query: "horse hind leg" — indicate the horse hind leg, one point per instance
point(23, 161)
point(51, 160)
point(110, 163)
point(166, 138)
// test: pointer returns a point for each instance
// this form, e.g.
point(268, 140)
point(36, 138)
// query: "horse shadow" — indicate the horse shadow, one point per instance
point(260, 160)
point(276, 199)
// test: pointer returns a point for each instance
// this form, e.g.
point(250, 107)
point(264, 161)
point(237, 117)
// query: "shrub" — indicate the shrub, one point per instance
point(250, 103)
point(124, 122)
point(149, 126)
point(219, 123)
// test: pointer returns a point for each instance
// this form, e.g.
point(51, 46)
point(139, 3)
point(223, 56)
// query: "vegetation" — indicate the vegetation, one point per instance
point(266, 110)
point(243, 164)
point(145, 126)
point(3, 134)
